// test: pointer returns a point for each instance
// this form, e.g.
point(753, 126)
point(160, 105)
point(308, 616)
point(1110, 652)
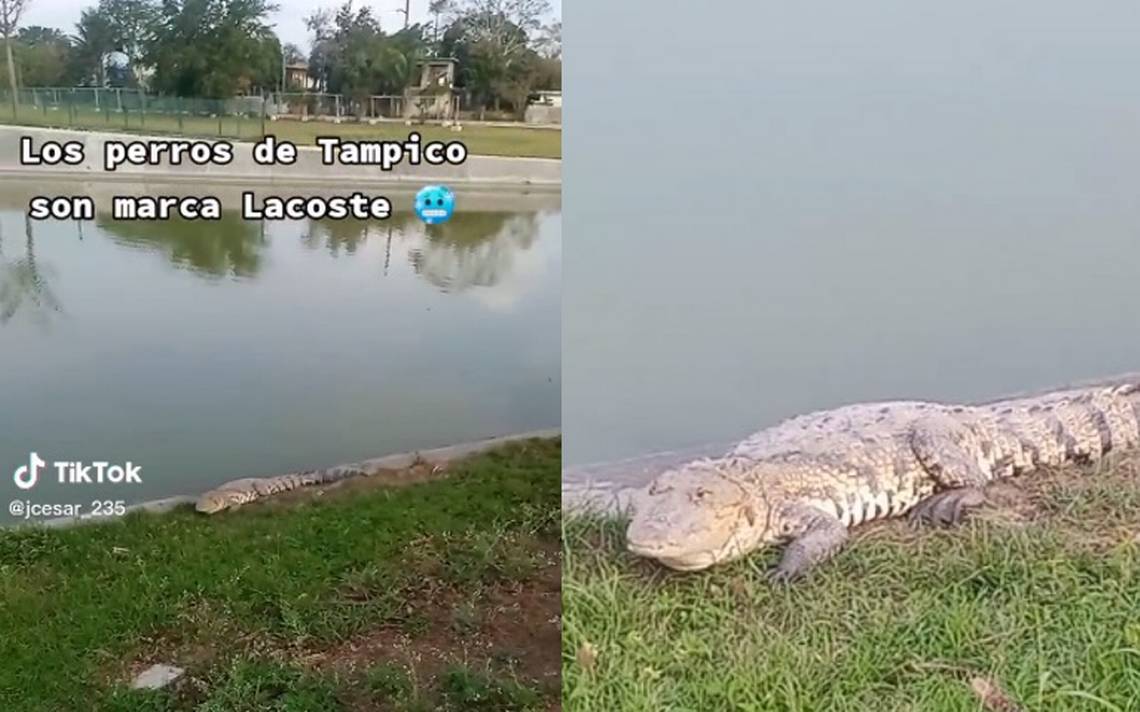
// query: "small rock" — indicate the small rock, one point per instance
point(992, 696)
point(587, 656)
point(156, 677)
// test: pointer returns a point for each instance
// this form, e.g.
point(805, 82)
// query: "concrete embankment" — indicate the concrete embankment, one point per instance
point(397, 461)
point(17, 192)
point(612, 488)
point(308, 168)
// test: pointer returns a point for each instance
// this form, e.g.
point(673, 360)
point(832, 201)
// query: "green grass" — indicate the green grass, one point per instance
point(479, 139)
point(473, 690)
point(294, 607)
point(1046, 606)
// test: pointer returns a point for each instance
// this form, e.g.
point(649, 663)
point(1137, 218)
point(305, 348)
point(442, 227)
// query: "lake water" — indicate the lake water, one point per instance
point(211, 351)
point(844, 203)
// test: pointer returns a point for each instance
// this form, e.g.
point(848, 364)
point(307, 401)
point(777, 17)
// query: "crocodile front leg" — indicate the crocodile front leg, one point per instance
point(948, 451)
point(818, 536)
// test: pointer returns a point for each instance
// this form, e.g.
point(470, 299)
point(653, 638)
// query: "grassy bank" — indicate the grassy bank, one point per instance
point(1036, 599)
point(436, 595)
point(479, 139)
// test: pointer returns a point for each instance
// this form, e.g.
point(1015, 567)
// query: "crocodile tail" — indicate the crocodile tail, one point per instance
point(1123, 384)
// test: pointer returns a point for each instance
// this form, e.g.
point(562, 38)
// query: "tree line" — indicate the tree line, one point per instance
point(223, 48)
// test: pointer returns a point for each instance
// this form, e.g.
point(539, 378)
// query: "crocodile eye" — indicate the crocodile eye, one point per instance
point(701, 493)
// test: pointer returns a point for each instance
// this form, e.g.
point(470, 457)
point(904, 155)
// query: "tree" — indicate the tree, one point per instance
point(354, 41)
point(546, 74)
point(352, 55)
point(10, 13)
point(214, 48)
point(504, 24)
point(549, 42)
point(94, 39)
point(293, 53)
point(133, 24)
point(319, 23)
point(126, 26)
point(491, 40)
point(439, 9)
point(43, 56)
point(396, 58)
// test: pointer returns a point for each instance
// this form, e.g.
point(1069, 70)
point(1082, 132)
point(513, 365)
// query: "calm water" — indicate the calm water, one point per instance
point(206, 352)
point(844, 203)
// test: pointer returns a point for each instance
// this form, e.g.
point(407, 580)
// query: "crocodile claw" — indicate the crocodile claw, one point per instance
point(781, 576)
point(947, 508)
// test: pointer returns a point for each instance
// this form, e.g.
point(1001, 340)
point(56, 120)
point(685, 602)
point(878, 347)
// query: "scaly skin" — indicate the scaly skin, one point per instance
point(238, 492)
point(806, 481)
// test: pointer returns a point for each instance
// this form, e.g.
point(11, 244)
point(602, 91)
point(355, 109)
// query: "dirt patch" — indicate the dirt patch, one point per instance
point(1010, 503)
point(183, 645)
point(511, 628)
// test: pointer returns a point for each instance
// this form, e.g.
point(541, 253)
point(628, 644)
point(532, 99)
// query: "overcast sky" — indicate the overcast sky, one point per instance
point(289, 20)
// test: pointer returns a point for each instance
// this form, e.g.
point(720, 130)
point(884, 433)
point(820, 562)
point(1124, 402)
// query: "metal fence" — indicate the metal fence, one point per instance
point(130, 109)
point(337, 106)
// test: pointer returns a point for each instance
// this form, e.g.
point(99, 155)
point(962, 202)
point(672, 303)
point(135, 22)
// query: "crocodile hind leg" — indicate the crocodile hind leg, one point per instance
point(948, 507)
point(818, 536)
point(948, 450)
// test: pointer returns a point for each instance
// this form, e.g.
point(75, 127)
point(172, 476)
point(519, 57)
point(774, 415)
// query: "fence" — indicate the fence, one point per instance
point(240, 116)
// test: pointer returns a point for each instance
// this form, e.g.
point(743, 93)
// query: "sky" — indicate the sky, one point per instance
point(289, 20)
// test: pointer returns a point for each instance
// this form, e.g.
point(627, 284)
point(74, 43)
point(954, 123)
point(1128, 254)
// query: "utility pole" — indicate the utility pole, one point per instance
point(407, 10)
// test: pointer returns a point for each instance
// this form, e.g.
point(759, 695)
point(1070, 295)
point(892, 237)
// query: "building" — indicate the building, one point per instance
point(546, 98)
point(434, 96)
point(545, 107)
point(297, 77)
point(437, 71)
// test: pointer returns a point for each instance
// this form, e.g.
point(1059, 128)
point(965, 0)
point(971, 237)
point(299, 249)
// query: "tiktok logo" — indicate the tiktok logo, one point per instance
point(27, 475)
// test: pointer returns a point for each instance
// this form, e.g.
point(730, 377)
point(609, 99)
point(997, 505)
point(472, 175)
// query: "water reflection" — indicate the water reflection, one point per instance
point(24, 282)
point(492, 252)
point(229, 246)
point(476, 249)
point(473, 249)
point(346, 236)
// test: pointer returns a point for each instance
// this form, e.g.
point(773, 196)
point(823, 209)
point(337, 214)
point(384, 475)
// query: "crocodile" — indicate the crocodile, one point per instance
point(804, 482)
point(420, 462)
point(235, 493)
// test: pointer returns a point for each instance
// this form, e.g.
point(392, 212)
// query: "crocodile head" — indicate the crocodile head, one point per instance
point(232, 494)
point(213, 502)
point(697, 515)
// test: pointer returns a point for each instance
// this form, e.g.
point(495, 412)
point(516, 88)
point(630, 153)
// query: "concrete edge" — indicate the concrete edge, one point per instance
point(395, 462)
point(253, 179)
point(611, 488)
